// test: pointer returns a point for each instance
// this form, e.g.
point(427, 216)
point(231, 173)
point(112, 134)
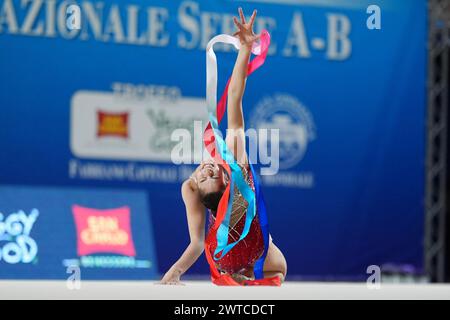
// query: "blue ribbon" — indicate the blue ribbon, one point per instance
point(251, 197)
point(238, 178)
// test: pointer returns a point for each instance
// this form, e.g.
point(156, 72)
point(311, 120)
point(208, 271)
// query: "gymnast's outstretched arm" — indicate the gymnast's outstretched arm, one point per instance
point(235, 135)
point(196, 218)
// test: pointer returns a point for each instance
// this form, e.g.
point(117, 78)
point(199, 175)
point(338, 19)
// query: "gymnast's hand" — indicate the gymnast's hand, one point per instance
point(172, 277)
point(245, 32)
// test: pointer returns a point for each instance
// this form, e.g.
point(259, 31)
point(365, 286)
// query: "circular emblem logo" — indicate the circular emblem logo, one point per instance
point(295, 123)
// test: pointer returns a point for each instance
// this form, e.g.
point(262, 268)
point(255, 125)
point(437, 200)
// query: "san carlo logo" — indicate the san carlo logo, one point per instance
point(104, 239)
point(103, 231)
point(16, 243)
point(296, 124)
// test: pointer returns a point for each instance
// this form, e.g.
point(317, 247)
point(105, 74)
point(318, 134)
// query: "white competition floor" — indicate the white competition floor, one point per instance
point(203, 290)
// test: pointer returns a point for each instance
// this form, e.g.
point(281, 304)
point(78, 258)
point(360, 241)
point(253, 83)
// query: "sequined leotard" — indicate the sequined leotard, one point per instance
point(240, 259)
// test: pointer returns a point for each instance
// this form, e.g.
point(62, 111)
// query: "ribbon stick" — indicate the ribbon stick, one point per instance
point(219, 151)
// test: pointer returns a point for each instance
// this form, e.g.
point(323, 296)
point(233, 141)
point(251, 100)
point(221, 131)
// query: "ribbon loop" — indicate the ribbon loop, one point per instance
point(219, 151)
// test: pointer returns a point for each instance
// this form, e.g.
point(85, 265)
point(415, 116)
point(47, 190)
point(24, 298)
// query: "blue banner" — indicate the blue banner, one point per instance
point(53, 233)
point(96, 104)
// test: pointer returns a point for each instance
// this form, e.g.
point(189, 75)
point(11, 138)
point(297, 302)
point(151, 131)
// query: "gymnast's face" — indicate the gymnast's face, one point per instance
point(211, 177)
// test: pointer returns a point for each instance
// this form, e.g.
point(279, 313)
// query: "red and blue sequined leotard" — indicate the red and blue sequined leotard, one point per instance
point(240, 259)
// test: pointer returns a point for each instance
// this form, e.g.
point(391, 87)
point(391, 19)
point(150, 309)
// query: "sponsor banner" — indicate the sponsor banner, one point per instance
point(106, 231)
point(46, 233)
point(110, 126)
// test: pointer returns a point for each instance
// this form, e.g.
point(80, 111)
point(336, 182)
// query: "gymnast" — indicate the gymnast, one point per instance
point(204, 190)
